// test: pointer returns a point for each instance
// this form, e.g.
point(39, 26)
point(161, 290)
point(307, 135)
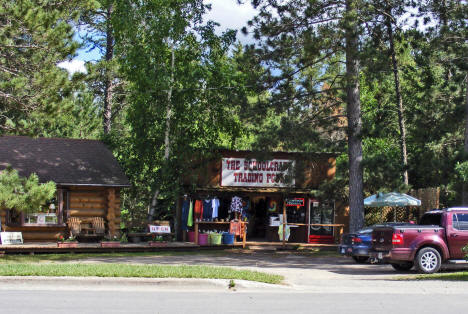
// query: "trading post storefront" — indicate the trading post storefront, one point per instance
point(250, 194)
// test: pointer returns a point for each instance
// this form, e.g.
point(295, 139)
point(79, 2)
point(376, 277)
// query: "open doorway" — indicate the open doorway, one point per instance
point(258, 219)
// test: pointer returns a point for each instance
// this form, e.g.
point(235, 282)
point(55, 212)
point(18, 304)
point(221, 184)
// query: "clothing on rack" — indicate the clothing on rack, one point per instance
point(198, 210)
point(236, 204)
point(207, 210)
point(185, 213)
point(215, 206)
point(235, 228)
point(190, 215)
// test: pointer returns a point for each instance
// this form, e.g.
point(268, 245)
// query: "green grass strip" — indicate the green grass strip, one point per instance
point(63, 257)
point(456, 276)
point(138, 271)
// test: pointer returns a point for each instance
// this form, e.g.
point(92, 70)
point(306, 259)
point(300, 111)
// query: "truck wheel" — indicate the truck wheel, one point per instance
point(403, 267)
point(428, 260)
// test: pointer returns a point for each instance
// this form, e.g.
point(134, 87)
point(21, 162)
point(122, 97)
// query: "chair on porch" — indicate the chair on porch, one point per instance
point(74, 224)
point(98, 225)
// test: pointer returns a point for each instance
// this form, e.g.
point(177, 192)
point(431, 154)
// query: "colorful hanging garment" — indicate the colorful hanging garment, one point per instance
point(235, 228)
point(190, 215)
point(236, 204)
point(198, 210)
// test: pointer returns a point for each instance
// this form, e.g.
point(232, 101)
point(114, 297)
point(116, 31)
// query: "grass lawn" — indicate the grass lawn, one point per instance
point(139, 271)
point(455, 276)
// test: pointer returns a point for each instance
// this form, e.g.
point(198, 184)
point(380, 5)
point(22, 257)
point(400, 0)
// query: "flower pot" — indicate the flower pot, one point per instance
point(215, 238)
point(191, 236)
point(67, 244)
point(228, 238)
point(157, 243)
point(112, 244)
point(203, 239)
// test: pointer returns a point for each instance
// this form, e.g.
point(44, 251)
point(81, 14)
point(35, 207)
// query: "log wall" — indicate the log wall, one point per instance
point(81, 202)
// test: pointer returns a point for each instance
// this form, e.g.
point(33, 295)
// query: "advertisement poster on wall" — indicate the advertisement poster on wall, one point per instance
point(321, 213)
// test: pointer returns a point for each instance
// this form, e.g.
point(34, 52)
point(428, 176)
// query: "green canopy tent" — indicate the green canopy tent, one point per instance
point(392, 199)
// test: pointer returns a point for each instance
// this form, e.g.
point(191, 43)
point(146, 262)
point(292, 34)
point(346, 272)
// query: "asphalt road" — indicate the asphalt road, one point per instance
point(103, 300)
point(312, 285)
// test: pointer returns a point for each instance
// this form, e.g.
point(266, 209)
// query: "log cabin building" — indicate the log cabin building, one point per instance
point(88, 180)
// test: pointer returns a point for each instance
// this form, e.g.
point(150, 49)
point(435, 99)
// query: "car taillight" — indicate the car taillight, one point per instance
point(357, 240)
point(397, 238)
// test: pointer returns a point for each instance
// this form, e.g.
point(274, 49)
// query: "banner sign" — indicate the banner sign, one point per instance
point(11, 237)
point(159, 229)
point(254, 173)
point(295, 202)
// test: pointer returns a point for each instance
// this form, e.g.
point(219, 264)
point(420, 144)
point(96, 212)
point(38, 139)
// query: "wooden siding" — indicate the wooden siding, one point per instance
point(84, 203)
point(311, 169)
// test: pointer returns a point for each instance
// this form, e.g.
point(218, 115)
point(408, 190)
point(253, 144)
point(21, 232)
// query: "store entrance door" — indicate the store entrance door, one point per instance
point(258, 218)
point(321, 214)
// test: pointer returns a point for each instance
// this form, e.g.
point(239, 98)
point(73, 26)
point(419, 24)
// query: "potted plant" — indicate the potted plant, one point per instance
point(157, 240)
point(69, 242)
point(112, 242)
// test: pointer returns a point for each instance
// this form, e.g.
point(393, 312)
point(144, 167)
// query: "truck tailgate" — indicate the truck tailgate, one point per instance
point(382, 238)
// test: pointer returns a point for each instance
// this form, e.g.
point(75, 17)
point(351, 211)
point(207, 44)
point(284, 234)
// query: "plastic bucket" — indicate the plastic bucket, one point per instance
point(228, 238)
point(215, 238)
point(203, 239)
point(191, 236)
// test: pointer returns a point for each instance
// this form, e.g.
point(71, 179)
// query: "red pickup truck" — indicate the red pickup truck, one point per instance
point(439, 238)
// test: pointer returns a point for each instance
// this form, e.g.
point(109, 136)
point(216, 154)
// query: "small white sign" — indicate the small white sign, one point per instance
point(11, 237)
point(41, 219)
point(160, 229)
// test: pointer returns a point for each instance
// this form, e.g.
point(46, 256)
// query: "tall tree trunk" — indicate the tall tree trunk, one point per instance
point(401, 109)
point(465, 185)
point(108, 84)
point(167, 133)
point(353, 105)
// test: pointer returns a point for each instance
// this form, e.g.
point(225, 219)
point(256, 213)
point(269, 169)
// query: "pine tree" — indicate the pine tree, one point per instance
point(297, 37)
point(35, 35)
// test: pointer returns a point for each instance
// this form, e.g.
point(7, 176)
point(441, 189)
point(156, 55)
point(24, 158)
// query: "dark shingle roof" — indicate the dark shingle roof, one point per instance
point(64, 161)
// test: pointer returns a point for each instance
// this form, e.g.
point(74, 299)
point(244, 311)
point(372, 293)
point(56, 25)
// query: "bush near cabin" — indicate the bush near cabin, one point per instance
point(23, 194)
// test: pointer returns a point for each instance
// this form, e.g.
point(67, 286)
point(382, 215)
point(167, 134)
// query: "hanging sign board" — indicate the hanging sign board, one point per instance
point(159, 229)
point(11, 237)
point(295, 202)
point(255, 173)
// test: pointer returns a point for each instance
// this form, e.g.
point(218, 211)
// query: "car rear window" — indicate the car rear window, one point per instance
point(431, 219)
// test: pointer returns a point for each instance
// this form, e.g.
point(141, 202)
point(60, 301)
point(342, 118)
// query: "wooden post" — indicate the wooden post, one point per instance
point(178, 220)
point(111, 212)
point(196, 232)
point(284, 223)
point(244, 234)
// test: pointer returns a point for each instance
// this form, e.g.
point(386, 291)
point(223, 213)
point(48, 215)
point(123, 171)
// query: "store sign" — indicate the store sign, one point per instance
point(254, 173)
point(295, 202)
point(11, 237)
point(159, 229)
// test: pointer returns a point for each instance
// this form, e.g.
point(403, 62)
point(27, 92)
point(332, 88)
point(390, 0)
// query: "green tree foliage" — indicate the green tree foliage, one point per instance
point(311, 50)
point(23, 194)
point(35, 35)
point(103, 76)
point(185, 92)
